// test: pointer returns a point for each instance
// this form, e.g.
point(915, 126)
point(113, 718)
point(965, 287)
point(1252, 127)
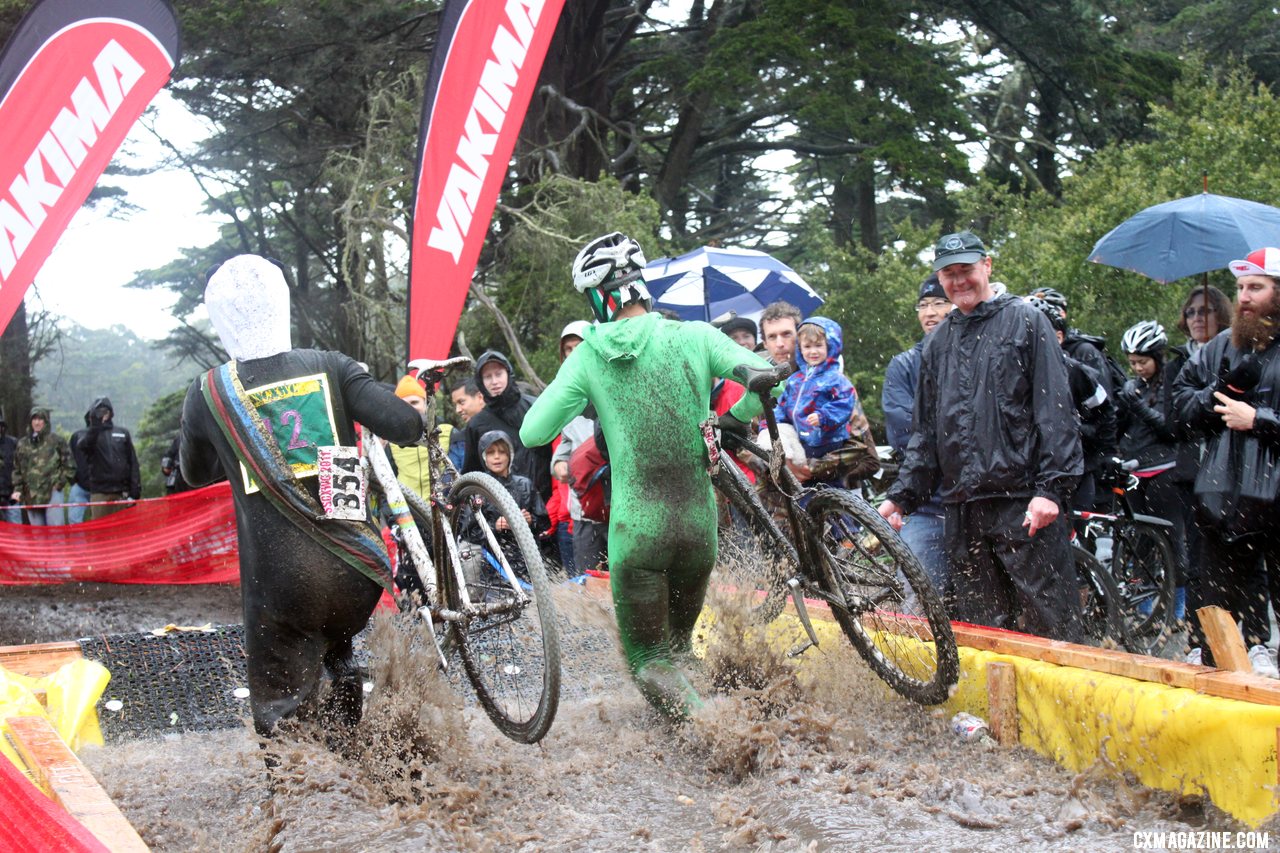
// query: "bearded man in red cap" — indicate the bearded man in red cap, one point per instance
point(1230, 390)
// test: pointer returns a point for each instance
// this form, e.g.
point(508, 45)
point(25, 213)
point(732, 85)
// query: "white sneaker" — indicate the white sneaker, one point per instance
point(1260, 657)
point(1193, 656)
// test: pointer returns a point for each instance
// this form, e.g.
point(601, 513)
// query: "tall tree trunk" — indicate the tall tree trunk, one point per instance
point(16, 381)
point(868, 224)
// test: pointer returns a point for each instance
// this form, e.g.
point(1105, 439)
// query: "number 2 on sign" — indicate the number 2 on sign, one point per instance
point(294, 415)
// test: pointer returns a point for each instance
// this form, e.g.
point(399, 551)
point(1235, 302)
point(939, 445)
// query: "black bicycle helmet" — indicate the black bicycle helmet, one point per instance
point(1053, 297)
point(1042, 305)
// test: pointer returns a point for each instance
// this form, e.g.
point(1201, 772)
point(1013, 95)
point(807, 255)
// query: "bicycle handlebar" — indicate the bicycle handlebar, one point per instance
point(761, 381)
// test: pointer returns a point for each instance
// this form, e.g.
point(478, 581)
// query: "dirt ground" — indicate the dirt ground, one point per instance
point(45, 614)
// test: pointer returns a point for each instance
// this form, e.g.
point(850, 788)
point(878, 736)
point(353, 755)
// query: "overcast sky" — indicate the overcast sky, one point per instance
point(84, 277)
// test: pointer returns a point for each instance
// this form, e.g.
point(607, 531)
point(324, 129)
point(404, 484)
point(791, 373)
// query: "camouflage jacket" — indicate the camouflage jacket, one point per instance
point(41, 464)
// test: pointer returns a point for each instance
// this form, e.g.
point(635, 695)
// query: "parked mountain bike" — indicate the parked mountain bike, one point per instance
point(1100, 599)
point(832, 546)
point(1137, 552)
point(486, 602)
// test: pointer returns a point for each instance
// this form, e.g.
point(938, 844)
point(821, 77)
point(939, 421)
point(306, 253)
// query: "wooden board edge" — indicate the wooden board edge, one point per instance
point(58, 771)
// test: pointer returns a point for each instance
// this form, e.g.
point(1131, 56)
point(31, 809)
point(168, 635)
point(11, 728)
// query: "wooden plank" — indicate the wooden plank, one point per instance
point(1110, 661)
point(38, 659)
point(1224, 639)
point(1244, 686)
point(71, 785)
point(1002, 702)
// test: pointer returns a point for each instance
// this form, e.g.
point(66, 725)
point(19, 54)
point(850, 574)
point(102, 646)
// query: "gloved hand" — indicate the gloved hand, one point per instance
point(1238, 382)
point(1131, 393)
point(728, 423)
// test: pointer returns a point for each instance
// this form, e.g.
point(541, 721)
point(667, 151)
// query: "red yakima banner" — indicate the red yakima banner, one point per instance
point(487, 58)
point(184, 538)
point(75, 76)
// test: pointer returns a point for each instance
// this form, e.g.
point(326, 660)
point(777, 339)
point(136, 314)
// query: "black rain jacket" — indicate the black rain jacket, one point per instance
point(993, 415)
point(109, 455)
point(506, 412)
point(1239, 477)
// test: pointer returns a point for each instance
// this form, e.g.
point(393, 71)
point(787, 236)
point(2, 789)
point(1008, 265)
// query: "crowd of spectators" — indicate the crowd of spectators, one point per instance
point(46, 479)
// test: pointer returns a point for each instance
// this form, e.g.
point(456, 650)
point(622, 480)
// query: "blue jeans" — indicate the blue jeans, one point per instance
point(11, 514)
point(54, 515)
point(75, 514)
point(924, 535)
point(564, 542)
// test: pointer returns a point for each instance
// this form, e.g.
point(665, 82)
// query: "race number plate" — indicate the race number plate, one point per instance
point(342, 483)
point(711, 438)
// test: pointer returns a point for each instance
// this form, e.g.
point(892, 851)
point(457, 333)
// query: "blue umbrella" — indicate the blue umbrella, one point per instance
point(1188, 236)
point(708, 283)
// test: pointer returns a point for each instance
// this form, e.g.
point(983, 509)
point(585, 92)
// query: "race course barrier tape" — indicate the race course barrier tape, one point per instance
point(187, 538)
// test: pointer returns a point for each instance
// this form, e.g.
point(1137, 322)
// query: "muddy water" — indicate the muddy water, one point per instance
point(778, 761)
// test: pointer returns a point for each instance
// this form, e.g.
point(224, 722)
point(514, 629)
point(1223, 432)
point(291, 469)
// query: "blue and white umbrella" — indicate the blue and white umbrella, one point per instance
point(708, 283)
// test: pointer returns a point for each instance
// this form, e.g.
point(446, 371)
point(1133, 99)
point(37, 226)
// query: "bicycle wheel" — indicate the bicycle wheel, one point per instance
point(882, 598)
point(771, 557)
point(511, 651)
point(1143, 567)
point(1099, 600)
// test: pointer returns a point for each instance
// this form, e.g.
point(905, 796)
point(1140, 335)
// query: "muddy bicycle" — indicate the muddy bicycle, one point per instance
point(487, 602)
point(835, 548)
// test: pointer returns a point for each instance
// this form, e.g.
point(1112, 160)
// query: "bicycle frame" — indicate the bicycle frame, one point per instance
point(781, 478)
point(433, 507)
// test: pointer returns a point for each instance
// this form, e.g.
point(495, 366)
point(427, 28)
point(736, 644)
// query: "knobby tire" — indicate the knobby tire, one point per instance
point(862, 579)
point(1099, 600)
point(1142, 565)
point(778, 556)
point(512, 659)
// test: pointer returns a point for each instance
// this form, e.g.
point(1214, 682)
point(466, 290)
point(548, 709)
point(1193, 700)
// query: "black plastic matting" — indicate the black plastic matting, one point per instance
point(187, 681)
point(183, 681)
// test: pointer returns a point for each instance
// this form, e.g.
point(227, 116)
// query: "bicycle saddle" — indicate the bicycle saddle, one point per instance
point(759, 381)
point(433, 365)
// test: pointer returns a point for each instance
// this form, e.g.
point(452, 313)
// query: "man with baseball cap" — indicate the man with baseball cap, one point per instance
point(1230, 391)
point(924, 532)
point(994, 433)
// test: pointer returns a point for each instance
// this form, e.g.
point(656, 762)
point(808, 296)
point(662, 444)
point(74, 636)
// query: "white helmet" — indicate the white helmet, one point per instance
point(607, 271)
point(576, 327)
point(1145, 338)
point(607, 261)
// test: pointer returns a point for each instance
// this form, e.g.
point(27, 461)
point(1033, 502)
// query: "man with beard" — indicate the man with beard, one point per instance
point(1230, 390)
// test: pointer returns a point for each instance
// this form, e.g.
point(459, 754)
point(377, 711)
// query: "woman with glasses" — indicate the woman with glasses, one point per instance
point(1205, 312)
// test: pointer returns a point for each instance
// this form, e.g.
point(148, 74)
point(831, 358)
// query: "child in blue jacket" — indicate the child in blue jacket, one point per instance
point(818, 400)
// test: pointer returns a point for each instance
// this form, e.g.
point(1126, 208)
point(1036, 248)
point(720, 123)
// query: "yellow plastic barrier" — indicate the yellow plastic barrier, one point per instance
point(1170, 738)
point(71, 694)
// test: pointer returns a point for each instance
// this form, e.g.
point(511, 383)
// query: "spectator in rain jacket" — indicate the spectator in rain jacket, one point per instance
point(1230, 392)
point(113, 463)
point(495, 449)
point(41, 467)
point(995, 432)
point(504, 409)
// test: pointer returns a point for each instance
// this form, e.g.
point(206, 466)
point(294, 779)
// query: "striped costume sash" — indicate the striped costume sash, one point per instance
point(356, 543)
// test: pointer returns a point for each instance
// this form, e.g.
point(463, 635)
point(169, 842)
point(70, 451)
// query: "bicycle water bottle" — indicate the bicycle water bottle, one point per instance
point(1102, 549)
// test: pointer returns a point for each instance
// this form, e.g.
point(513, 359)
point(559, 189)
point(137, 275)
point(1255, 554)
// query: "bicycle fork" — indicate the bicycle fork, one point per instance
point(803, 612)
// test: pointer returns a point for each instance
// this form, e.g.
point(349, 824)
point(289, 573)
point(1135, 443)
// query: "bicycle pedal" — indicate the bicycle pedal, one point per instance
point(800, 648)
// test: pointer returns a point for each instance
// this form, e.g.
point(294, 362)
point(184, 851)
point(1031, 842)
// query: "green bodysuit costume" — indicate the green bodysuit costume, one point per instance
point(650, 382)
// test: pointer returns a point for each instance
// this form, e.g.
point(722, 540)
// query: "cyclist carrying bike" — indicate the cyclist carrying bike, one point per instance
point(650, 381)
